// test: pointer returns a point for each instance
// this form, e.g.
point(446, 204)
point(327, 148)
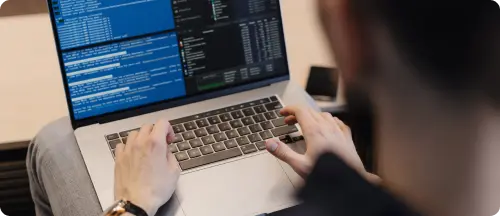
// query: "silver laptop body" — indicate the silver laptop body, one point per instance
point(217, 70)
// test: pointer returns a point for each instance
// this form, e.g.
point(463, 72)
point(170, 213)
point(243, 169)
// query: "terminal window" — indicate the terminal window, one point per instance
point(122, 54)
point(84, 22)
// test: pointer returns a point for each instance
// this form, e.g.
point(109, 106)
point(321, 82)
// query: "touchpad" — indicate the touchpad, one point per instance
point(249, 186)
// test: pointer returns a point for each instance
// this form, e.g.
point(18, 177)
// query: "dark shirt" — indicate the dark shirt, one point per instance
point(333, 188)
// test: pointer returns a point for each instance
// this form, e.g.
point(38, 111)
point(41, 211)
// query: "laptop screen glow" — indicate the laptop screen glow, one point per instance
point(122, 54)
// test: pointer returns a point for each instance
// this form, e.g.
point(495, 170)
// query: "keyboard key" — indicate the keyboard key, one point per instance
point(190, 126)
point(189, 135)
point(248, 112)
point(218, 147)
point(286, 139)
point(247, 121)
point(279, 122)
point(195, 143)
point(214, 120)
point(213, 129)
point(230, 144)
point(124, 140)
point(263, 101)
point(206, 150)
point(220, 137)
point(244, 131)
point(178, 138)
point(208, 140)
point(299, 138)
point(254, 138)
point(259, 118)
point(213, 113)
point(112, 137)
point(267, 125)
point(178, 128)
point(270, 115)
point(183, 146)
point(181, 156)
point(113, 152)
point(224, 126)
point(219, 156)
point(284, 130)
point(114, 143)
point(266, 135)
point(255, 128)
point(173, 148)
point(278, 113)
point(274, 98)
point(126, 133)
point(200, 132)
point(260, 109)
point(193, 153)
point(201, 123)
point(232, 134)
point(242, 140)
point(225, 117)
point(248, 149)
point(273, 106)
point(237, 114)
point(261, 145)
point(236, 124)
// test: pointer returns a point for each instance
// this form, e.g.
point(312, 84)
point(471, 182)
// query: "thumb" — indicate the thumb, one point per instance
point(297, 161)
point(172, 162)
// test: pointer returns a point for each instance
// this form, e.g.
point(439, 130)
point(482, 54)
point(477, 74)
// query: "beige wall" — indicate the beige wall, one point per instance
point(31, 92)
point(305, 42)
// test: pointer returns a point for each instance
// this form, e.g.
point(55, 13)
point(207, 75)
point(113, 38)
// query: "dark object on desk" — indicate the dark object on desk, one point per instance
point(323, 83)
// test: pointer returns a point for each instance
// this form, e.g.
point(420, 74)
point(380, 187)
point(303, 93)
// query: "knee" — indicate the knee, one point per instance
point(52, 138)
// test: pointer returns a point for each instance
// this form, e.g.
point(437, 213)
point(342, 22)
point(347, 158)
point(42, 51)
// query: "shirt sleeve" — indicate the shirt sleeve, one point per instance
point(333, 188)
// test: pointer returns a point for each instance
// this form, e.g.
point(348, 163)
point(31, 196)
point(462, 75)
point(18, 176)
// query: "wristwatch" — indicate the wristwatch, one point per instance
point(124, 206)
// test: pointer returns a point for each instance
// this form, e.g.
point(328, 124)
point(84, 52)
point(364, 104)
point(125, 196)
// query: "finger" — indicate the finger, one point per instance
point(329, 119)
point(285, 111)
point(343, 127)
point(172, 162)
point(119, 150)
point(302, 114)
point(291, 120)
point(316, 115)
point(281, 151)
point(132, 136)
point(145, 131)
point(162, 132)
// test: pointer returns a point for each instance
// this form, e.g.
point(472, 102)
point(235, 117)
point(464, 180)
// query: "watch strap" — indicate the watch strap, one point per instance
point(135, 210)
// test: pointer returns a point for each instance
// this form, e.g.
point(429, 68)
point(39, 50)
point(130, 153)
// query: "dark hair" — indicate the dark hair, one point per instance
point(458, 40)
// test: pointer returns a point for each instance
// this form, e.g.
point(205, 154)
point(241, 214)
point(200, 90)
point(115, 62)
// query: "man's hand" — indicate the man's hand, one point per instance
point(323, 133)
point(146, 173)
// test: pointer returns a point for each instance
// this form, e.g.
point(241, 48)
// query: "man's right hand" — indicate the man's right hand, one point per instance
point(323, 133)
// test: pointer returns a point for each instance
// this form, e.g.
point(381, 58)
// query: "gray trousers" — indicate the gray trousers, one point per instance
point(59, 182)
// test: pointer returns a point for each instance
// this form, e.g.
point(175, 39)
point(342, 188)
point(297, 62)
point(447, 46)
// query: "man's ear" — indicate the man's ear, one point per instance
point(343, 28)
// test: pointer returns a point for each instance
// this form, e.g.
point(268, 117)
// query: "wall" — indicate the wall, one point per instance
point(31, 92)
point(306, 45)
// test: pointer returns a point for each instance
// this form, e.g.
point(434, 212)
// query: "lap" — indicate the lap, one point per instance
point(59, 181)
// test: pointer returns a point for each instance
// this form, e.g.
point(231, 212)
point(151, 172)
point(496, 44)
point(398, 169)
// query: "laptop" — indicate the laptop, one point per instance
point(217, 69)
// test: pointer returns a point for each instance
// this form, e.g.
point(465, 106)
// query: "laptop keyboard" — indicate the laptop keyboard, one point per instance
point(223, 134)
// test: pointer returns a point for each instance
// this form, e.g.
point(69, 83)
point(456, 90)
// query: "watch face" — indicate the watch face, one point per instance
point(116, 209)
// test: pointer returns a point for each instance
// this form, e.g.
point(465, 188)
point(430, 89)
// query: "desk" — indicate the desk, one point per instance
point(31, 87)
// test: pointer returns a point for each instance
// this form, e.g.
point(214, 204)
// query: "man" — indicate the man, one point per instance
point(431, 71)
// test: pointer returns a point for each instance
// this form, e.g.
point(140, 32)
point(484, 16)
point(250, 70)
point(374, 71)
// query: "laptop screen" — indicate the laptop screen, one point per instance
point(122, 54)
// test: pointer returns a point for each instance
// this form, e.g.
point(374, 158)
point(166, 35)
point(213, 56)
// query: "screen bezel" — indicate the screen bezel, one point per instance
point(169, 103)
